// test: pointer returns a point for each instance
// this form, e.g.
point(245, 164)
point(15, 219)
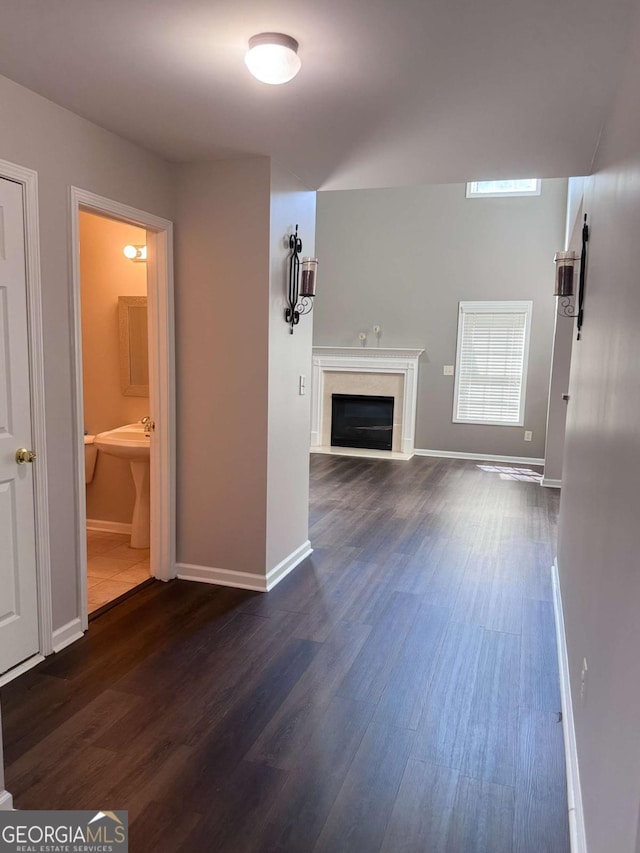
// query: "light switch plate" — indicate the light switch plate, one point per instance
point(528, 435)
point(448, 370)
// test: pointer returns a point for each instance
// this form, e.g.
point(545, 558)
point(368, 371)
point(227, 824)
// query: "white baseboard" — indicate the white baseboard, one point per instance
point(6, 801)
point(551, 484)
point(108, 526)
point(23, 667)
point(574, 793)
point(221, 577)
point(245, 580)
point(67, 634)
point(275, 575)
point(481, 457)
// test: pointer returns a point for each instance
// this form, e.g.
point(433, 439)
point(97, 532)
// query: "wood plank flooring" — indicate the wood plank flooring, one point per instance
point(397, 692)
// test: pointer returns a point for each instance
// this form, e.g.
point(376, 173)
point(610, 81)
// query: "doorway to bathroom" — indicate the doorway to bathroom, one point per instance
point(115, 391)
point(123, 325)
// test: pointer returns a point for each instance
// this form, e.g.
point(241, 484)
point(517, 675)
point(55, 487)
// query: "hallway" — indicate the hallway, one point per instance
point(397, 691)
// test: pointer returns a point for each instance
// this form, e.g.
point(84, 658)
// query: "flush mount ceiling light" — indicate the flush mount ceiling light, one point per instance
point(273, 58)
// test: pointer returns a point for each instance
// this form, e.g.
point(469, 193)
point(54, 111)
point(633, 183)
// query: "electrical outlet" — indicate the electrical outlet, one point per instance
point(583, 681)
point(528, 435)
point(447, 370)
point(302, 385)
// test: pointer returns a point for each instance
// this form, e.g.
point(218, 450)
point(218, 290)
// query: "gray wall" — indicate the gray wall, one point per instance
point(404, 258)
point(243, 430)
point(564, 334)
point(598, 550)
point(563, 338)
point(67, 150)
point(222, 336)
point(289, 357)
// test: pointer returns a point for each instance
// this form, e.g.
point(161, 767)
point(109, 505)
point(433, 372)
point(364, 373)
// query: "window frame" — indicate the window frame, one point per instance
point(524, 306)
point(473, 193)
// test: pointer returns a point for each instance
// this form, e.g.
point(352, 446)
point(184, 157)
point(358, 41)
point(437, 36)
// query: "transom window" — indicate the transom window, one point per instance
point(511, 187)
point(491, 362)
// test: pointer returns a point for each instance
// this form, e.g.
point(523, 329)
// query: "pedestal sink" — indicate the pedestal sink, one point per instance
point(130, 442)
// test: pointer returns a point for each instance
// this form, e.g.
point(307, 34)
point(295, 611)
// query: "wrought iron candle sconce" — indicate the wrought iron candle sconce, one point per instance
point(299, 295)
point(565, 263)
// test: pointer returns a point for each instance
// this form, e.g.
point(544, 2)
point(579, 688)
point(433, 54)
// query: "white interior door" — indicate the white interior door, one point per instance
point(18, 582)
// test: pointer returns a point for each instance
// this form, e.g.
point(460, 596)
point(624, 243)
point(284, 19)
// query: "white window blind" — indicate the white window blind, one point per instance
point(491, 363)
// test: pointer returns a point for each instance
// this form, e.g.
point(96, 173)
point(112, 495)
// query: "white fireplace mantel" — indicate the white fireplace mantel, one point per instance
point(367, 360)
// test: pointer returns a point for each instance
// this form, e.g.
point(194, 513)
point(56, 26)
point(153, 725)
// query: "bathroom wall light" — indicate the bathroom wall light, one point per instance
point(135, 253)
point(273, 58)
point(565, 263)
point(299, 296)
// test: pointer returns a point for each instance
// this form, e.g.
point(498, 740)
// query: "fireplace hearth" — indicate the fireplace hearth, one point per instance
point(361, 420)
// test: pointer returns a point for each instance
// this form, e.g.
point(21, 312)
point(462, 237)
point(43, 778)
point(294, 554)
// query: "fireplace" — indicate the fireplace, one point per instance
point(359, 420)
point(365, 370)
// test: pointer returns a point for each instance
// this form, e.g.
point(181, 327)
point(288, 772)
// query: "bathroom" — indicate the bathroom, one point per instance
point(113, 289)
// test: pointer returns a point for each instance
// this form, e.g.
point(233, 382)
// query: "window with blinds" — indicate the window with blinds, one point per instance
point(491, 362)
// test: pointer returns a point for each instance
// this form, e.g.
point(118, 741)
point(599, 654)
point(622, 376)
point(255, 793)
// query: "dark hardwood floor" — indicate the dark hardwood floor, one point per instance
point(397, 692)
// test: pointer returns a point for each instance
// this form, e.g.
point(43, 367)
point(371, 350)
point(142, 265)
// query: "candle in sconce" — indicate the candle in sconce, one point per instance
point(565, 262)
point(309, 268)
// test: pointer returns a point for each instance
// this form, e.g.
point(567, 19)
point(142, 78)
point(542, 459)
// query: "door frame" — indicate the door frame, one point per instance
point(29, 181)
point(161, 385)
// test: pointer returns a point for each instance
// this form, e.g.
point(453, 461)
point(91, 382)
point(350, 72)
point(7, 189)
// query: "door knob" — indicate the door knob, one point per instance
point(23, 456)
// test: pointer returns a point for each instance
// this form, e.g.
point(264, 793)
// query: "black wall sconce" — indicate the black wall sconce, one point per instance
point(300, 294)
point(565, 263)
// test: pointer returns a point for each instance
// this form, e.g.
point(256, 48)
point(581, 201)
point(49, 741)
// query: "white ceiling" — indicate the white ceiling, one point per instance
point(390, 93)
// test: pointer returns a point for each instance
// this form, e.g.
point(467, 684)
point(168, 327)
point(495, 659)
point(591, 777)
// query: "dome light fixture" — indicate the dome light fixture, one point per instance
point(273, 58)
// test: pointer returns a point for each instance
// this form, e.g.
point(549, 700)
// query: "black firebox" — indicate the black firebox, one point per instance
point(360, 420)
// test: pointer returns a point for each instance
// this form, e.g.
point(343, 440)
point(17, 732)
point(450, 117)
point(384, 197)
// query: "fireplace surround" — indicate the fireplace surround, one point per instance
point(365, 371)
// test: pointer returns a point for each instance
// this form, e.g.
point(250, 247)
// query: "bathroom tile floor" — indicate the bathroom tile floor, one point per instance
point(113, 568)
